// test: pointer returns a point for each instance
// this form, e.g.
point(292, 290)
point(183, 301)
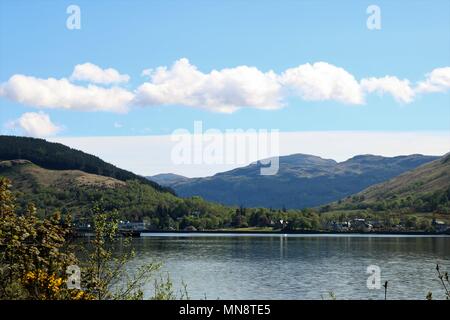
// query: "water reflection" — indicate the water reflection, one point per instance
point(290, 267)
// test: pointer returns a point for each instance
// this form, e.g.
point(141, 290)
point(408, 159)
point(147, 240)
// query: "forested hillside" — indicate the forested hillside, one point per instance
point(424, 189)
point(57, 156)
point(76, 192)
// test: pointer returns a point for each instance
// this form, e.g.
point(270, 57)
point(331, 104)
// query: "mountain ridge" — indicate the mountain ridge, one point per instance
point(302, 180)
point(425, 179)
point(76, 192)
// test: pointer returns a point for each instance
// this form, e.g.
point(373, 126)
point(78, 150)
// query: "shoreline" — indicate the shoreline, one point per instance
point(311, 232)
point(137, 234)
point(140, 233)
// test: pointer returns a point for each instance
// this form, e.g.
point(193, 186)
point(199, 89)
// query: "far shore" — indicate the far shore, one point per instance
point(311, 232)
point(271, 232)
point(262, 231)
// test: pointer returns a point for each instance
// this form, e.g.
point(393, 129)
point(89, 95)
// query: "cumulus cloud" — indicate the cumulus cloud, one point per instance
point(323, 81)
point(225, 90)
point(438, 80)
point(60, 93)
point(35, 125)
point(229, 89)
point(91, 73)
point(400, 89)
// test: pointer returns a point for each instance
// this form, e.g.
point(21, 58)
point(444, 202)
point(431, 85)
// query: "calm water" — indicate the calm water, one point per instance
point(296, 266)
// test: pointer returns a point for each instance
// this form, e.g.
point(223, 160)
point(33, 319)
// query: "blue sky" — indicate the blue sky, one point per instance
point(131, 36)
point(134, 35)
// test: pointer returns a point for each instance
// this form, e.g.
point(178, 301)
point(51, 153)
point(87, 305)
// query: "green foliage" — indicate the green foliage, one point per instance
point(437, 201)
point(35, 254)
point(164, 290)
point(104, 274)
point(134, 201)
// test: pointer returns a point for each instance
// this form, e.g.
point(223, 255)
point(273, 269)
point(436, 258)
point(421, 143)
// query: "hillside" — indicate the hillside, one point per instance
point(76, 192)
point(24, 171)
point(302, 181)
point(57, 156)
point(423, 189)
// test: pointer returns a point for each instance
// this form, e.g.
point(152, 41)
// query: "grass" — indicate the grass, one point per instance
point(56, 178)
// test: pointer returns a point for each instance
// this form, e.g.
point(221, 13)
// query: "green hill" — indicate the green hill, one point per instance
point(426, 179)
point(57, 156)
point(424, 189)
point(75, 192)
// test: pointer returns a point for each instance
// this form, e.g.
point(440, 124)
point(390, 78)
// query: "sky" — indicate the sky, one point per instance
point(137, 70)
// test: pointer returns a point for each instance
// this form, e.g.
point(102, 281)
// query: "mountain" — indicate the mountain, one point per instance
point(57, 156)
point(167, 179)
point(424, 189)
point(302, 180)
point(426, 180)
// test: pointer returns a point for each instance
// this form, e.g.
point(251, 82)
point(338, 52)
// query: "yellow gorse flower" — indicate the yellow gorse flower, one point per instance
point(52, 285)
point(43, 280)
point(81, 295)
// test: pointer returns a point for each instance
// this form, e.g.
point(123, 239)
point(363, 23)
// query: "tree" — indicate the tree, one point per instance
point(35, 255)
point(103, 272)
point(239, 218)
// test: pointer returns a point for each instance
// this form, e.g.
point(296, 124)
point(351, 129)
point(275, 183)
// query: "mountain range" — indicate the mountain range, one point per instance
point(71, 181)
point(302, 180)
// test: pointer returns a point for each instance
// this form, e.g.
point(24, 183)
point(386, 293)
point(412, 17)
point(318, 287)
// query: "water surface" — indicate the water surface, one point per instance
point(230, 266)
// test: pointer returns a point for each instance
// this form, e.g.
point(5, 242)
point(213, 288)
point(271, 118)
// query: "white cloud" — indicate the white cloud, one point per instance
point(323, 81)
point(223, 91)
point(35, 125)
point(229, 89)
point(438, 80)
point(92, 73)
point(118, 125)
point(399, 89)
point(60, 93)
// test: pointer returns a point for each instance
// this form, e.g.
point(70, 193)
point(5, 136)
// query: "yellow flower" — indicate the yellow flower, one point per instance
point(81, 295)
point(30, 276)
